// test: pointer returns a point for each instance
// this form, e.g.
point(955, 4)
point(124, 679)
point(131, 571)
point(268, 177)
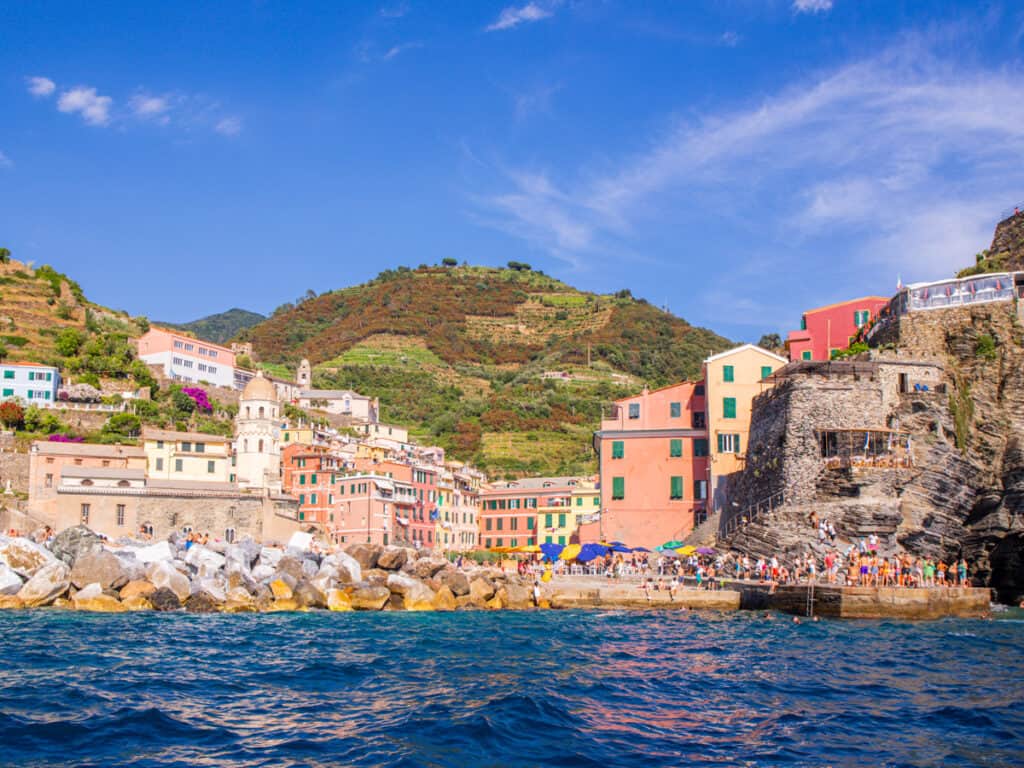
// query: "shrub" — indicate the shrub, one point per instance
point(64, 311)
point(123, 424)
point(11, 414)
point(69, 341)
point(985, 347)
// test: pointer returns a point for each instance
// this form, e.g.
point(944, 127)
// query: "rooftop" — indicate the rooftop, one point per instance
point(533, 484)
point(87, 449)
point(150, 433)
point(331, 394)
point(119, 473)
point(27, 365)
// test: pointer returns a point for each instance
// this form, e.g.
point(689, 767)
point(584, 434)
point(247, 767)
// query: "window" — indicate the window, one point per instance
point(8, 393)
point(561, 519)
point(861, 317)
point(698, 421)
point(728, 373)
point(579, 501)
point(487, 543)
point(675, 487)
point(177, 465)
point(200, 447)
point(618, 449)
point(803, 323)
point(728, 443)
point(302, 498)
point(501, 522)
point(597, 501)
point(9, 374)
point(548, 520)
point(120, 514)
point(49, 480)
point(229, 535)
point(766, 371)
point(211, 467)
point(488, 526)
point(700, 490)
point(805, 355)
point(698, 391)
point(729, 407)
point(312, 498)
point(675, 410)
point(85, 514)
point(186, 447)
point(159, 465)
point(514, 524)
point(634, 410)
point(529, 523)
point(700, 447)
point(675, 448)
point(618, 487)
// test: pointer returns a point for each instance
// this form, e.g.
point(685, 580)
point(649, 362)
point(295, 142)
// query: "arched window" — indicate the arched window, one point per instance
point(261, 446)
point(186, 529)
point(245, 445)
point(248, 412)
point(123, 483)
point(261, 411)
point(87, 481)
point(147, 529)
point(229, 535)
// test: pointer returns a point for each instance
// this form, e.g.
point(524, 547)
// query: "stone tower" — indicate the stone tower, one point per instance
point(305, 375)
point(257, 436)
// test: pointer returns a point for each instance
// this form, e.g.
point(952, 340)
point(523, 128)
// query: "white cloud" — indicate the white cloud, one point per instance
point(394, 50)
point(147, 107)
point(871, 153)
point(5, 161)
point(812, 6)
point(513, 16)
point(730, 39)
point(228, 126)
point(95, 109)
point(41, 86)
point(396, 11)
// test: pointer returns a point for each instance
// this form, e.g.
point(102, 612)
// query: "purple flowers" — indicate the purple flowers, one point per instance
point(199, 398)
point(59, 438)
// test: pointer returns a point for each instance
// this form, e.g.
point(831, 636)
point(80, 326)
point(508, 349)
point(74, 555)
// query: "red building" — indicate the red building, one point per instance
point(311, 473)
point(653, 458)
point(425, 514)
point(831, 327)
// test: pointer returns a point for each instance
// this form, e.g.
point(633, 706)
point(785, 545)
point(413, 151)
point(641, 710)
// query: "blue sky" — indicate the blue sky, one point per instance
point(739, 160)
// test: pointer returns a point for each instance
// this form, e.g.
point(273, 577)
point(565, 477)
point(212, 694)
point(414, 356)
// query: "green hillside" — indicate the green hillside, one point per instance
point(220, 328)
point(467, 356)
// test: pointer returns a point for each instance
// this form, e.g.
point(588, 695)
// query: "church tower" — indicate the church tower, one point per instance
point(258, 436)
point(305, 375)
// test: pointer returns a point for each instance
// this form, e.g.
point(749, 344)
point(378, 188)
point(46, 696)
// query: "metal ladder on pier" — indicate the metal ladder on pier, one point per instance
point(810, 600)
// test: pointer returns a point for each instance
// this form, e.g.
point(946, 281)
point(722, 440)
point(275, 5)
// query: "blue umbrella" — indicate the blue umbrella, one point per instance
point(590, 552)
point(641, 549)
point(551, 551)
point(618, 547)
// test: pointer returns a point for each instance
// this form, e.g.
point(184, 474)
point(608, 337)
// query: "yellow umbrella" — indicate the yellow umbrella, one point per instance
point(689, 549)
point(570, 552)
point(532, 549)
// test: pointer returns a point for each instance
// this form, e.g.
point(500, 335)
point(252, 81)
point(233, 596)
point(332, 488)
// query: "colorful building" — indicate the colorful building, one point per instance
point(311, 474)
point(653, 460)
point(509, 510)
point(425, 515)
point(365, 510)
point(187, 456)
point(732, 379)
point(832, 327)
point(33, 383)
point(187, 359)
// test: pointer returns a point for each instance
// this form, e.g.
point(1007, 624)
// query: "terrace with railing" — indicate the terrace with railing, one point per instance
point(865, 448)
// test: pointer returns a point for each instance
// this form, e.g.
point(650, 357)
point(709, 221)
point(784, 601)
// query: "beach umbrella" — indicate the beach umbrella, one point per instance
point(617, 547)
point(551, 551)
point(590, 552)
point(689, 549)
point(705, 551)
point(641, 549)
point(671, 545)
point(570, 552)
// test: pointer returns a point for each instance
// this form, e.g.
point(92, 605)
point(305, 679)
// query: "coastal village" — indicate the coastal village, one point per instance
point(850, 429)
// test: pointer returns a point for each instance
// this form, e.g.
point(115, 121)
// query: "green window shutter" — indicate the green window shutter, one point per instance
point(312, 479)
point(286, 437)
point(489, 523)
point(728, 373)
point(30, 394)
point(675, 410)
point(529, 523)
point(302, 479)
point(579, 501)
point(766, 371)
point(9, 374)
point(561, 519)
point(302, 498)
point(736, 443)
point(8, 393)
point(806, 354)
point(721, 446)
point(729, 407)
point(675, 448)
point(561, 540)
point(700, 447)
point(597, 501)
point(618, 449)
point(803, 323)
point(547, 520)
point(312, 498)
point(676, 489)
point(618, 487)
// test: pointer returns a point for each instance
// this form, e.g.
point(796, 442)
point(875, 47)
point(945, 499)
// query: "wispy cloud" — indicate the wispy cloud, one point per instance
point(93, 108)
point(41, 86)
point(395, 50)
point(731, 39)
point(513, 16)
point(394, 11)
point(5, 161)
point(148, 107)
point(905, 141)
point(812, 6)
point(228, 126)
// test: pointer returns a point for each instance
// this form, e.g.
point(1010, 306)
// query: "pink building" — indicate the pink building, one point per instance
point(187, 359)
point(653, 458)
point(832, 327)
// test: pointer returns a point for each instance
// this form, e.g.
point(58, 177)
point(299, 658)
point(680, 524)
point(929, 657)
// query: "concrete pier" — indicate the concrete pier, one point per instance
point(595, 593)
point(866, 602)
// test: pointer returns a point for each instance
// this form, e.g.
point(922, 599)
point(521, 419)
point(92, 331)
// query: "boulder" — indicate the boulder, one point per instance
point(213, 587)
point(339, 600)
point(10, 602)
point(455, 580)
point(309, 596)
point(284, 604)
point(325, 580)
point(292, 566)
point(72, 542)
point(99, 567)
point(480, 591)
point(49, 582)
point(392, 558)
point(283, 586)
point(517, 597)
point(239, 601)
point(134, 570)
point(92, 598)
point(10, 582)
point(416, 596)
point(444, 599)
point(163, 574)
point(263, 598)
point(137, 589)
point(494, 604)
point(201, 602)
point(204, 560)
point(271, 556)
point(165, 599)
point(154, 553)
point(427, 567)
point(365, 554)
point(137, 603)
point(463, 601)
point(23, 556)
point(346, 564)
point(263, 572)
point(369, 597)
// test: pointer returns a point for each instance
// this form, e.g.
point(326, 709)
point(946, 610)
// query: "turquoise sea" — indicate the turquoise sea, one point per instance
point(564, 689)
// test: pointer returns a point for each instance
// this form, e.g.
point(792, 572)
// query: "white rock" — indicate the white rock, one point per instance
point(348, 562)
point(212, 587)
point(46, 585)
point(88, 592)
point(204, 560)
point(154, 553)
point(300, 541)
point(270, 556)
point(163, 574)
point(263, 572)
point(10, 582)
point(23, 556)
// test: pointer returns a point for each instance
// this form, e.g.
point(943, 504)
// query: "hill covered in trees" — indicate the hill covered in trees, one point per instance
point(221, 327)
point(507, 367)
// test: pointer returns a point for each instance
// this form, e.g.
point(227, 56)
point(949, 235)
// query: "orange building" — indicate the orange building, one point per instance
point(653, 460)
point(509, 515)
point(311, 474)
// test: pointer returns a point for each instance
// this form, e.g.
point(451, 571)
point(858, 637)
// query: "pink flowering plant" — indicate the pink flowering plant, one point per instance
point(61, 438)
point(199, 398)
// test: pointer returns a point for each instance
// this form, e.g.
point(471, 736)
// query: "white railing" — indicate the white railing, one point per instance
point(751, 513)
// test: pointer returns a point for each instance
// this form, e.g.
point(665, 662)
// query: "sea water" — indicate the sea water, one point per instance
point(549, 688)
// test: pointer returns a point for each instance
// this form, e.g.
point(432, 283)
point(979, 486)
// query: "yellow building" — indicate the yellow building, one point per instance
point(732, 379)
point(187, 456)
point(302, 435)
point(372, 452)
point(585, 502)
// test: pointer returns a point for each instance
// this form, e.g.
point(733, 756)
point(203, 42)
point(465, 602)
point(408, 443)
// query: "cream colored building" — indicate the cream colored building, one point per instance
point(732, 379)
point(258, 437)
point(186, 456)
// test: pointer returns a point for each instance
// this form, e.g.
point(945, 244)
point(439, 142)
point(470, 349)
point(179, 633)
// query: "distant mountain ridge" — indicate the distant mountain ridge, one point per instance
point(221, 327)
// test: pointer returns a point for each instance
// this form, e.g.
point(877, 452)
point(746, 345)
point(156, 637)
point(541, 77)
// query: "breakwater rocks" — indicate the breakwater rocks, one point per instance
point(78, 570)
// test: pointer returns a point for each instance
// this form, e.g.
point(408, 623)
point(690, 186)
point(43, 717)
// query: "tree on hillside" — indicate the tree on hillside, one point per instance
point(448, 261)
point(3, 351)
point(770, 341)
point(5, 256)
point(519, 266)
point(11, 414)
point(69, 341)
